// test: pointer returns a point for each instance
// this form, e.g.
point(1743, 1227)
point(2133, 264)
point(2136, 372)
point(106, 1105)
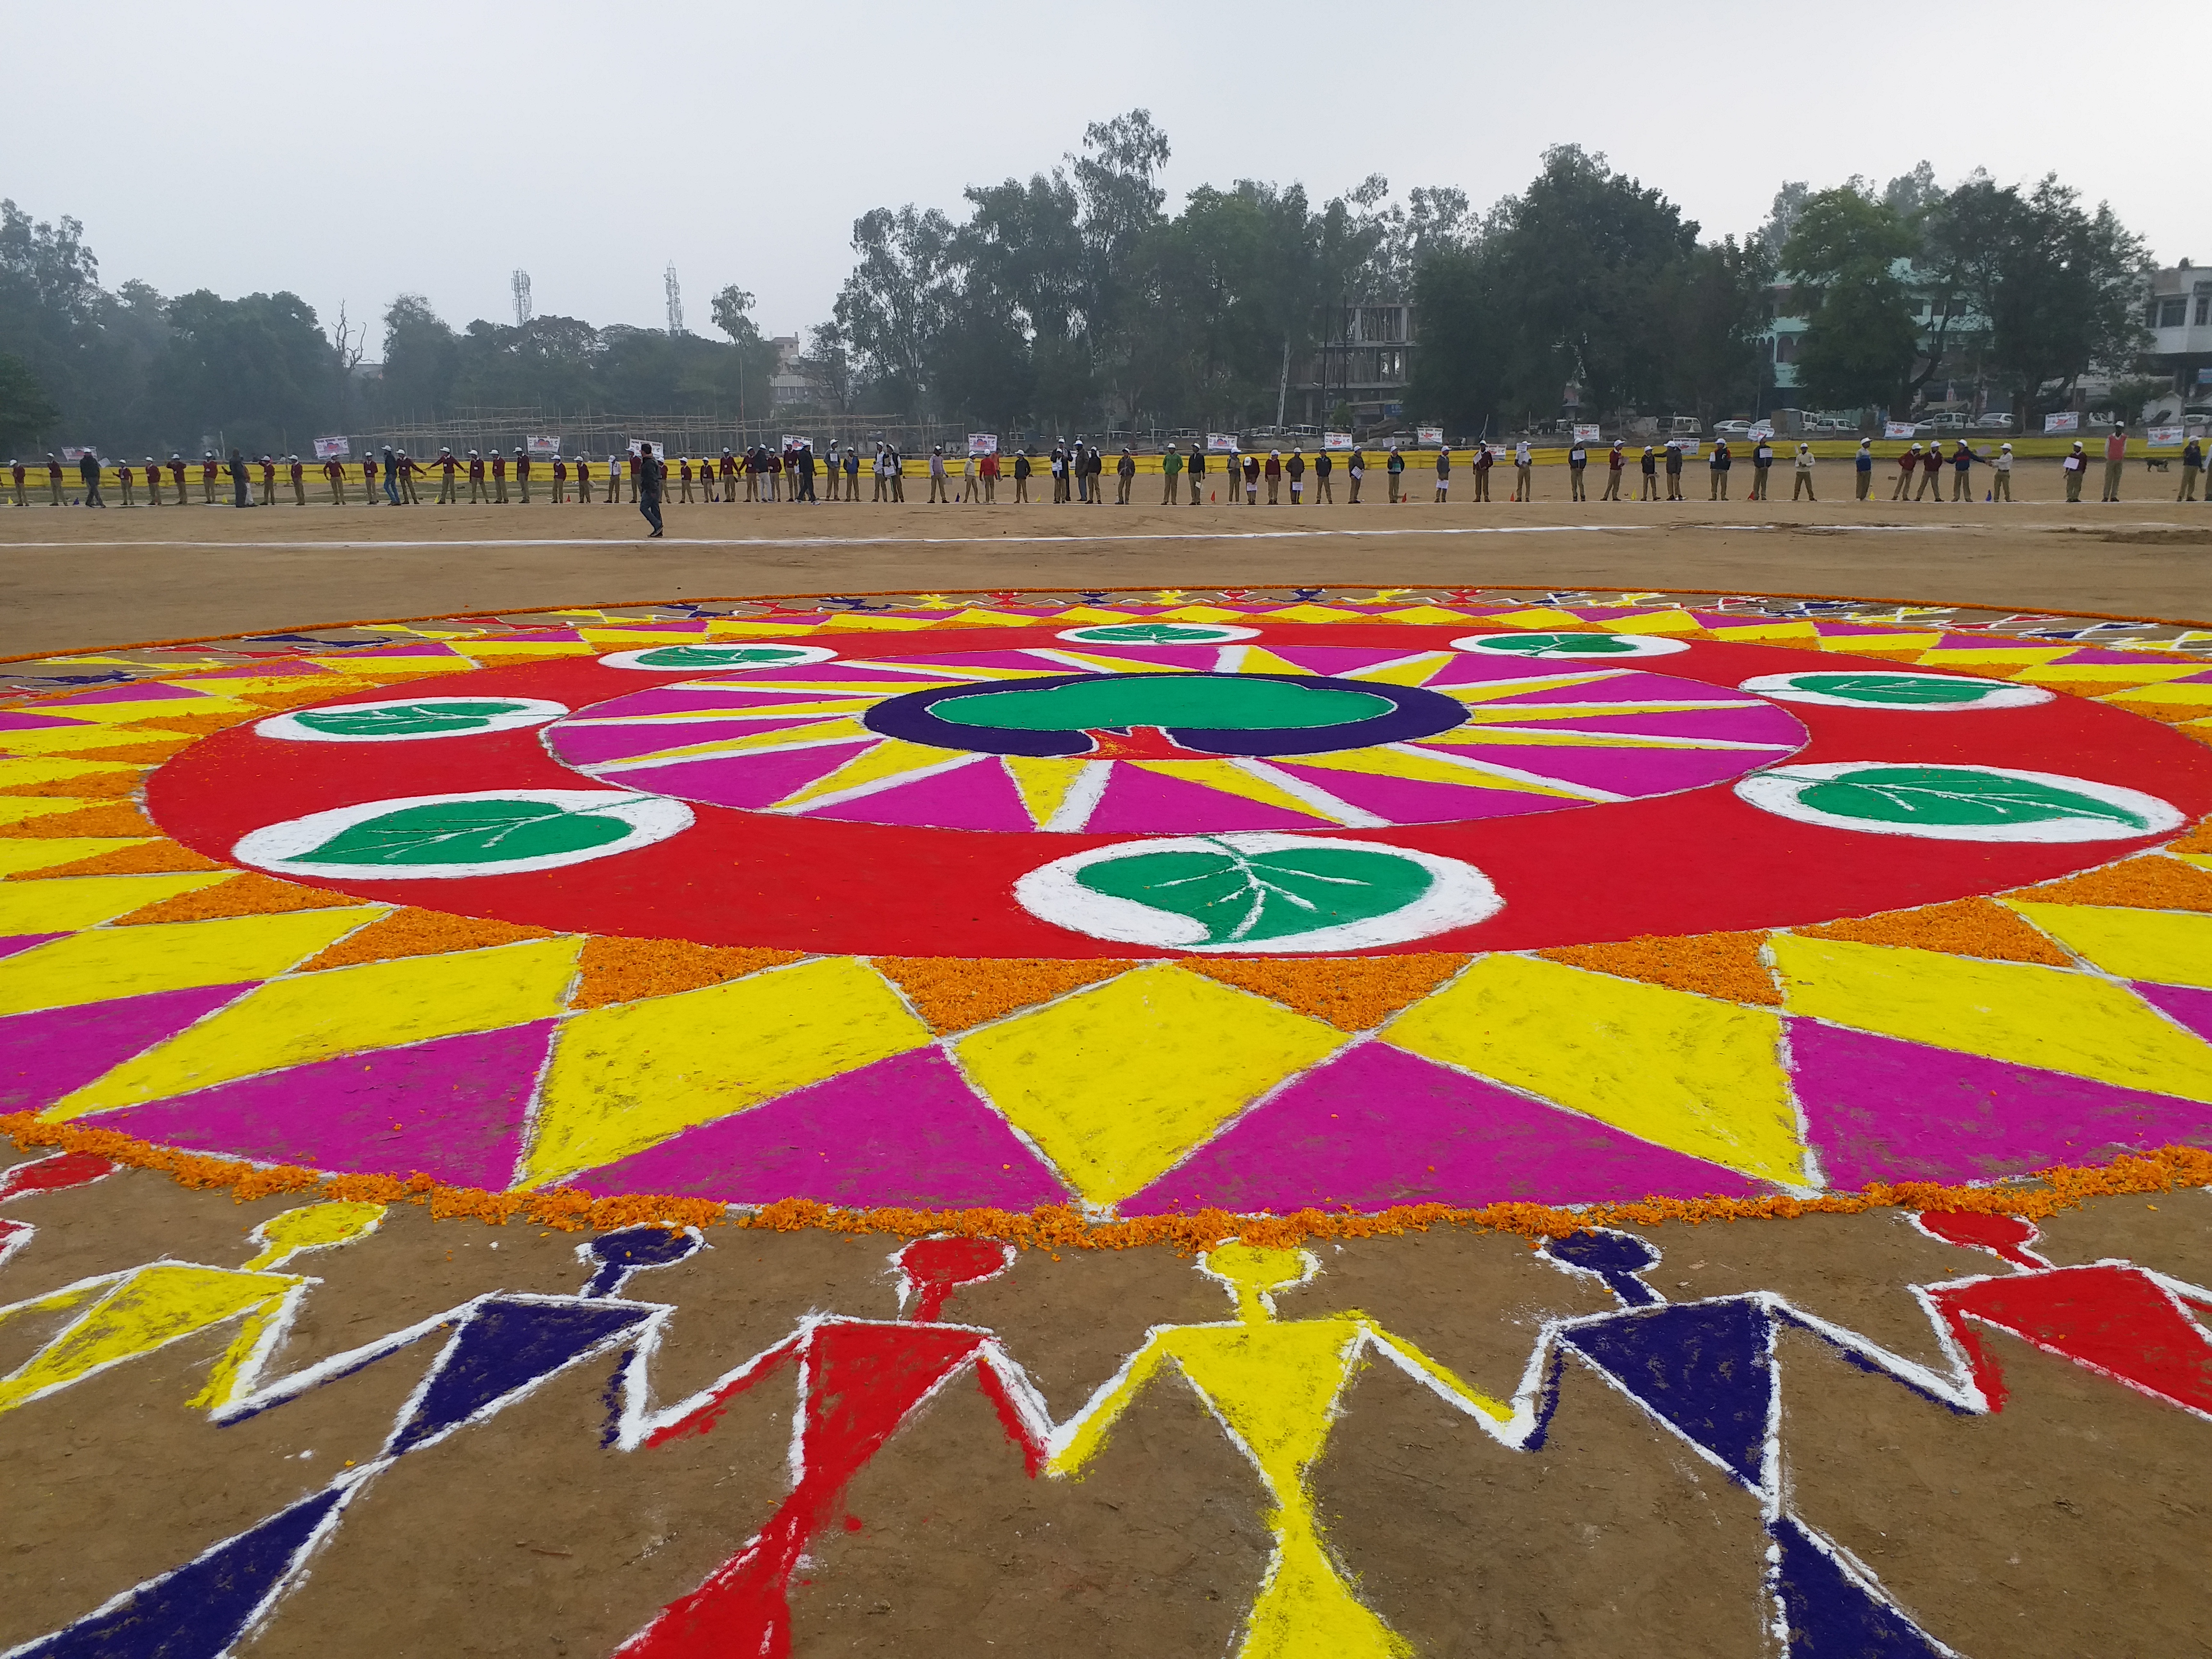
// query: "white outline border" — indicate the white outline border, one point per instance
point(802, 654)
point(650, 818)
point(2008, 694)
point(1643, 645)
point(1777, 791)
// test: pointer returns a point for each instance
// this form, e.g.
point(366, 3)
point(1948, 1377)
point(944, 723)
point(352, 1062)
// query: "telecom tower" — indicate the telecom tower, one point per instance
point(523, 309)
point(675, 300)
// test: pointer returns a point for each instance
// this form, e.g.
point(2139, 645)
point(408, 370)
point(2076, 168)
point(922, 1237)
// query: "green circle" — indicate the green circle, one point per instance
point(1908, 690)
point(1563, 645)
point(1151, 634)
point(420, 720)
point(1956, 797)
point(719, 656)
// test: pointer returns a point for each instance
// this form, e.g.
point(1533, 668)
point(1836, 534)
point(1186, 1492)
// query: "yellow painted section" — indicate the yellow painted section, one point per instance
point(1531, 713)
point(1255, 659)
point(890, 758)
point(1115, 1084)
point(407, 668)
point(137, 1312)
point(2104, 673)
point(1545, 618)
point(68, 739)
point(1407, 670)
point(1471, 737)
point(626, 638)
point(861, 621)
point(1654, 622)
point(1416, 767)
point(626, 1077)
point(788, 737)
point(1489, 690)
point(720, 630)
point(128, 962)
point(1299, 613)
point(374, 1005)
point(21, 809)
point(973, 618)
point(1701, 1076)
point(66, 905)
point(1995, 655)
point(15, 774)
point(1043, 784)
point(1202, 613)
point(1803, 631)
point(1090, 614)
point(2201, 860)
point(498, 647)
point(2052, 1017)
point(1881, 643)
point(2166, 947)
point(2189, 692)
point(733, 716)
point(129, 714)
point(24, 853)
point(311, 1227)
point(1416, 615)
point(1233, 780)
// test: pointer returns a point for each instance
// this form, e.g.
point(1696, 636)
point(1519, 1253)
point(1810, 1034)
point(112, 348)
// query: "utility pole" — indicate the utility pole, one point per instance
point(523, 309)
point(675, 300)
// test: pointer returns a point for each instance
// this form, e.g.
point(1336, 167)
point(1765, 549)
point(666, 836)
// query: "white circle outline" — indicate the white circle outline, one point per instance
point(273, 847)
point(1460, 897)
point(1643, 645)
point(525, 711)
point(804, 654)
point(1777, 790)
point(2005, 694)
point(1216, 634)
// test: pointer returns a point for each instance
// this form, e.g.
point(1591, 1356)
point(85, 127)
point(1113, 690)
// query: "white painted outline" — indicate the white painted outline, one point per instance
point(1642, 645)
point(1209, 633)
point(1777, 790)
point(2004, 694)
point(1459, 897)
point(522, 712)
point(274, 846)
point(800, 654)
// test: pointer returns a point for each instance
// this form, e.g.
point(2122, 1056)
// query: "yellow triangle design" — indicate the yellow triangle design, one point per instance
point(106, 963)
point(1407, 670)
point(2165, 947)
point(890, 758)
point(1042, 783)
point(794, 737)
point(1417, 767)
point(1233, 780)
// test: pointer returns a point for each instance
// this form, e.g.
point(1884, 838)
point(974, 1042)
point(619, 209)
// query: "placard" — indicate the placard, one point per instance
point(1337, 441)
point(1688, 446)
point(1429, 437)
point(2068, 420)
point(637, 447)
point(982, 443)
point(543, 445)
point(1763, 429)
point(2159, 436)
point(73, 456)
point(333, 449)
point(1900, 429)
point(1221, 443)
point(1590, 434)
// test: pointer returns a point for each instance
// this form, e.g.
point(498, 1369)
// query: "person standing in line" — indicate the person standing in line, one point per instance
point(882, 475)
point(1673, 471)
point(970, 474)
point(898, 475)
point(1095, 464)
point(334, 471)
point(1355, 468)
point(153, 482)
point(1022, 470)
point(177, 470)
point(2115, 455)
point(409, 467)
point(1273, 470)
point(498, 476)
point(683, 479)
point(651, 478)
point(241, 481)
point(1962, 461)
point(1931, 472)
point(1908, 463)
point(1861, 468)
point(2076, 466)
point(1484, 459)
point(299, 480)
point(986, 470)
point(1762, 463)
point(633, 479)
point(1058, 462)
point(1716, 464)
point(1577, 459)
point(2001, 475)
point(1651, 491)
point(1804, 483)
point(1125, 474)
point(123, 481)
point(54, 478)
point(939, 488)
point(446, 465)
point(1395, 467)
point(475, 467)
point(1196, 470)
point(268, 481)
point(1615, 462)
point(210, 469)
point(560, 481)
point(1295, 470)
point(1252, 479)
point(1324, 471)
point(2192, 468)
point(368, 479)
point(732, 466)
point(1524, 475)
point(522, 473)
point(583, 481)
point(17, 474)
point(1170, 474)
point(807, 468)
point(1443, 472)
point(852, 472)
point(614, 480)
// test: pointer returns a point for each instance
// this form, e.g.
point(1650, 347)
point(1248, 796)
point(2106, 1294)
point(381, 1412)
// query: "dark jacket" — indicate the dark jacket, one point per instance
point(650, 475)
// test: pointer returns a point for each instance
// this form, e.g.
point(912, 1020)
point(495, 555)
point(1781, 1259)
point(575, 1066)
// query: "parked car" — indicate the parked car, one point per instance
point(1948, 421)
point(1994, 422)
point(1731, 428)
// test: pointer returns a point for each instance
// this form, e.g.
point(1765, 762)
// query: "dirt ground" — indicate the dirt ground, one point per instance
point(74, 578)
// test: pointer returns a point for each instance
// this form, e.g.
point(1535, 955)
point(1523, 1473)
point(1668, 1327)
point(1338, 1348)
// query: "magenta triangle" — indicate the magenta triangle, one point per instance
point(977, 796)
point(16, 942)
point(1138, 802)
point(2181, 1003)
point(1884, 1109)
point(1375, 1126)
point(452, 1108)
point(906, 1131)
point(57, 1051)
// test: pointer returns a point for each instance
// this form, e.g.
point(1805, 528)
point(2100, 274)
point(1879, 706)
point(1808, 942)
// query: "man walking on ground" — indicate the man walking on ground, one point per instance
point(2192, 468)
point(1907, 465)
point(1650, 492)
point(1804, 484)
point(2076, 464)
point(1862, 466)
point(1716, 464)
point(1197, 471)
point(937, 489)
point(1615, 462)
point(806, 471)
point(2115, 455)
point(2001, 475)
point(649, 476)
point(1170, 471)
point(1524, 473)
point(1577, 459)
point(88, 467)
point(394, 476)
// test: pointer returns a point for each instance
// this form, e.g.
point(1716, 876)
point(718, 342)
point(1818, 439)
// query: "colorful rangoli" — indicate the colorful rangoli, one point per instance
point(1133, 905)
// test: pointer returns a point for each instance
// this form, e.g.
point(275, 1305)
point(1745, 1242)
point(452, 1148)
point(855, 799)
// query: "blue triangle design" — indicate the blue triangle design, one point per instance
point(503, 1346)
point(200, 1609)
point(1704, 1368)
point(1831, 1615)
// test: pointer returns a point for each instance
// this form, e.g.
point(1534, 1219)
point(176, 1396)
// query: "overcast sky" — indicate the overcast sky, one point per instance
point(355, 154)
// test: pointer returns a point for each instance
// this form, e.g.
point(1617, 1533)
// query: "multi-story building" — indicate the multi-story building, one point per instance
point(2179, 314)
point(1367, 360)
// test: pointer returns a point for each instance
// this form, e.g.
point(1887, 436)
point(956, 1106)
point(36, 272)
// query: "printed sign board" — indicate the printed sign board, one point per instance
point(1221, 443)
point(637, 447)
point(982, 443)
point(2066, 421)
point(1688, 446)
point(544, 446)
point(1338, 441)
point(73, 456)
point(1589, 434)
point(1762, 430)
point(1898, 429)
point(2159, 436)
point(1429, 437)
point(332, 449)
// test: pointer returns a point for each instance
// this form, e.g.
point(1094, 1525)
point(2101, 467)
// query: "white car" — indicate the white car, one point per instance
point(1732, 429)
point(1994, 422)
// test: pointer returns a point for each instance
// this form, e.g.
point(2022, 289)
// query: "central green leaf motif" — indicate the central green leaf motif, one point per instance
point(1151, 634)
point(489, 832)
point(1237, 897)
point(718, 656)
point(1955, 795)
point(1907, 689)
point(1573, 645)
point(405, 719)
point(1237, 703)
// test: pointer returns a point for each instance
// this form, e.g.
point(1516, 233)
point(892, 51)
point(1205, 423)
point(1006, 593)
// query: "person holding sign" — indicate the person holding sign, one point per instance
point(2074, 465)
point(1295, 471)
point(1483, 460)
point(1395, 468)
point(1355, 468)
point(2192, 468)
point(1197, 469)
point(1524, 474)
point(1577, 459)
point(1716, 464)
point(1444, 472)
point(1762, 462)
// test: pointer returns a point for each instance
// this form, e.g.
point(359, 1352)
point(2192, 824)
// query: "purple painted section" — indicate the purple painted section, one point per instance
point(1625, 771)
point(904, 1131)
point(1198, 658)
point(587, 746)
point(1884, 1109)
point(2091, 655)
point(976, 796)
point(1765, 725)
point(1376, 1126)
point(15, 720)
point(56, 1052)
point(1632, 686)
point(142, 691)
point(1477, 668)
point(1403, 801)
point(1023, 660)
point(2192, 1007)
point(451, 1108)
point(16, 942)
point(1138, 802)
point(749, 782)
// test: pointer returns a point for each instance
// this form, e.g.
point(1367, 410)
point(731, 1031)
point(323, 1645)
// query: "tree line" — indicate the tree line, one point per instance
point(1073, 301)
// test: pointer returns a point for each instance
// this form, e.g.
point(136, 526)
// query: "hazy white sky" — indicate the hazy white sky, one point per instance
point(355, 154)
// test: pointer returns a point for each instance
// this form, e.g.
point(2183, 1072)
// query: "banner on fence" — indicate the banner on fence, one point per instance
point(637, 447)
point(1429, 437)
point(1590, 434)
point(73, 456)
point(2068, 420)
point(1221, 443)
point(1336, 440)
point(543, 445)
point(982, 443)
point(1900, 429)
point(332, 449)
point(2159, 436)
point(1688, 446)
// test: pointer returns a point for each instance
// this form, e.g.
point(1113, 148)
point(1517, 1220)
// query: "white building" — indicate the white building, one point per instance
point(2178, 313)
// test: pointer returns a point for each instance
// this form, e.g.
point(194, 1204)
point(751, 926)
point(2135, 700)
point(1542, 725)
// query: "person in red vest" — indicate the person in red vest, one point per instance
point(177, 476)
point(560, 481)
point(1931, 472)
point(729, 477)
point(583, 481)
point(210, 470)
point(17, 474)
point(298, 481)
point(153, 482)
point(1907, 465)
point(368, 479)
point(633, 468)
point(122, 477)
point(2115, 455)
point(54, 478)
point(478, 492)
point(334, 470)
point(499, 479)
point(268, 481)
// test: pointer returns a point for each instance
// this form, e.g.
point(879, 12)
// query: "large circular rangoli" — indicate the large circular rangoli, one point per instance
point(1259, 904)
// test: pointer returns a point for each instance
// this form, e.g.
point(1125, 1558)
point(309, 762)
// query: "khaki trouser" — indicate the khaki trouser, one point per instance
point(898, 482)
point(1651, 491)
point(990, 490)
point(1612, 484)
point(1274, 485)
point(2189, 475)
point(479, 492)
point(1673, 486)
point(499, 484)
point(1574, 492)
point(2112, 480)
point(2001, 485)
point(1865, 482)
point(1758, 482)
point(1325, 488)
point(1121, 483)
point(128, 502)
point(883, 488)
point(1903, 484)
point(300, 490)
point(1719, 477)
point(560, 490)
point(22, 495)
point(1168, 489)
point(1481, 484)
point(153, 487)
point(1021, 489)
point(407, 485)
point(1929, 480)
point(937, 492)
point(522, 485)
point(1197, 479)
point(54, 484)
point(207, 487)
point(1524, 481)
point(1353, 499)
point(1393, 477)
point(1804, 486)
point(1960, 492)
point(683, 490)
point(2073, 484)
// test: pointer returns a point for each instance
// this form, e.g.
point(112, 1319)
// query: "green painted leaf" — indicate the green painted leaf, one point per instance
point(1238, 897)
point(718, 656)
point(1954, 795)
point(1194, 701)
point(1569, 645)
point(1149, 634)
point(489, 832)
point(407, 720)
point(1905, 689)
